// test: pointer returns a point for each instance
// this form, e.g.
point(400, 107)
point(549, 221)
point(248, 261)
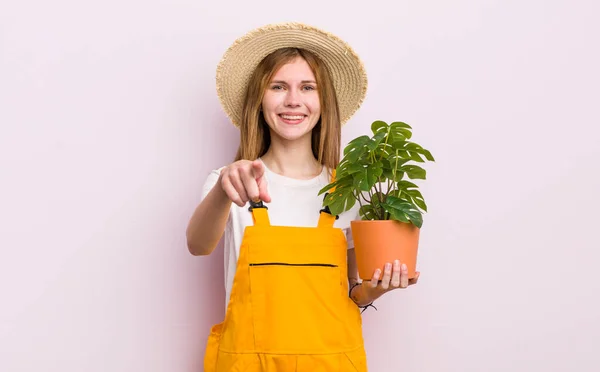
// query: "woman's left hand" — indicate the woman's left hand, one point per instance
point(394, 276)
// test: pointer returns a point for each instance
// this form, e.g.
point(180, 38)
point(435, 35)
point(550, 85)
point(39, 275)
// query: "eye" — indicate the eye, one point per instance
point(276, 87)
point(309, 87)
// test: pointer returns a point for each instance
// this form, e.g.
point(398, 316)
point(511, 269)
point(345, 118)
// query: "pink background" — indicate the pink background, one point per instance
point(110, 123)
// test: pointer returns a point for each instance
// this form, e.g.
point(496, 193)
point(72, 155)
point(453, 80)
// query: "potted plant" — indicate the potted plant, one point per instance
point(375, 172)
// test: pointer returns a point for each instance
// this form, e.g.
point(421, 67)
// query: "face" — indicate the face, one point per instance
point(291, 102)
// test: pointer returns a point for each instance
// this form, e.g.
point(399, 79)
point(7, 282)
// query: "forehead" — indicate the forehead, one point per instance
point(296, 69)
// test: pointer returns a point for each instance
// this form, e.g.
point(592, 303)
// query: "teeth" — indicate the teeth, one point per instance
point(299, 117)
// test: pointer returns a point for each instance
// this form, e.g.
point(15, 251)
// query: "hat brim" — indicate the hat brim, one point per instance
point(244, 55)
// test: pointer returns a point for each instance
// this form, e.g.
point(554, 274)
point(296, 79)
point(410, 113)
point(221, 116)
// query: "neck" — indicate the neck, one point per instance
point(292, 159)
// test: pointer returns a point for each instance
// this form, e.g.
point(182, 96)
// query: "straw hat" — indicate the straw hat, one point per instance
point(244, 55)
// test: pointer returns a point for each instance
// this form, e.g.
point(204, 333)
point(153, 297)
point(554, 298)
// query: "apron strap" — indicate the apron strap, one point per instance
point(260, 217)
point(326, 219)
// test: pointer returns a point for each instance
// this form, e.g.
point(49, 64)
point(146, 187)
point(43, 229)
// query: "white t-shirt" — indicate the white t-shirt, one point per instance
point(293, 203)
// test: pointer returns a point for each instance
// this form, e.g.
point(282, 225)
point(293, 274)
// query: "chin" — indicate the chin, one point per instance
point(291, 133)
point(291, 136)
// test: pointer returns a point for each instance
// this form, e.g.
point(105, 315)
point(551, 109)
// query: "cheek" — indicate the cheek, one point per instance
point(315, 106)
point(269, 104)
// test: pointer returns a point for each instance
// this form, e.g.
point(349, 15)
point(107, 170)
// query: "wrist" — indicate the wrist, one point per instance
point(360, 296)
point(220, 191)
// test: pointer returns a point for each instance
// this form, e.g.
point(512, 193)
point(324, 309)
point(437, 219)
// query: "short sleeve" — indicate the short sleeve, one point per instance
point(211, 181)
point(349, 238)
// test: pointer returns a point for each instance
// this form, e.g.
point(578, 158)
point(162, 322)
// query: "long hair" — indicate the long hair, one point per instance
point(255, 137)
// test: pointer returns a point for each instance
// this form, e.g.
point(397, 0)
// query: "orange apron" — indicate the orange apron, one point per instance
point(289, 308)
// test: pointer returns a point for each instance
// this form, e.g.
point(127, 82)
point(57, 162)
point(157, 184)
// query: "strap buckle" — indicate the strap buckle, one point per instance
point(258, 204)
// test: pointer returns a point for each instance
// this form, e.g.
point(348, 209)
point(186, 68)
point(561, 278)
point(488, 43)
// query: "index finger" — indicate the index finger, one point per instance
point(249, 184)
point(375, 280)
point(258, 169)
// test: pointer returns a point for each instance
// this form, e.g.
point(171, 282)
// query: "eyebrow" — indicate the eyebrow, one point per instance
point(303, 82)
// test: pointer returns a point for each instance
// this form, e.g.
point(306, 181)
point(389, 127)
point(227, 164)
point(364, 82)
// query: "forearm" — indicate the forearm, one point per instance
point(208, 222)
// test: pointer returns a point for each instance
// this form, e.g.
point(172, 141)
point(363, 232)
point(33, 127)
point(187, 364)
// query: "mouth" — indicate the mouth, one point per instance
point(292, 119)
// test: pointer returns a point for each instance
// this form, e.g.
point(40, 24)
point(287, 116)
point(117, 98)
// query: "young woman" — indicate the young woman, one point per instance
point(292, 290)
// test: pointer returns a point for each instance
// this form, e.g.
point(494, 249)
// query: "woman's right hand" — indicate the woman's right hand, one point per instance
point(243, 181)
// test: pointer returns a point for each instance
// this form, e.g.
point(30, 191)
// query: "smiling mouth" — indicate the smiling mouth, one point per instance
point(292, 119)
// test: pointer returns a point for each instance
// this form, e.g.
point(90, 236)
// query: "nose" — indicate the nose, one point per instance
point(292, 98)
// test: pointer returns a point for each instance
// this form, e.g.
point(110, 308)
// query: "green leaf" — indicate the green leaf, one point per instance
point(341, 200)
point(408, 190)
point(397, 203)
point(326, 188)
point(342, 169)
point(417, 198)
point(400, 130)
point(403, 210)
point(367, 212)
point(389, 174)
point(415, 156)
point(360, 140)
point(417, 149)
point(403, 154)
point(367, 177)
point(376, 140)
point(342, 182)
point(356, 148)
point(398, 124)
point(379, 126)
point(414, 172)
point(396, 162)
point(396, 214)
point(415, 217)
point(427, 155)
point(407, 150)
point(383, 151)
point(375, 169)
point(399, 216)
point(405, 185)
point(355, 168)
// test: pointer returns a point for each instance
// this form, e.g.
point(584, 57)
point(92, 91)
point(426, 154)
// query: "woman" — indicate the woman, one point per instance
point(292, 289)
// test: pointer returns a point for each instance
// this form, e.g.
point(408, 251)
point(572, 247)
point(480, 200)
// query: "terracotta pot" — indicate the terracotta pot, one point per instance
point(378, 242)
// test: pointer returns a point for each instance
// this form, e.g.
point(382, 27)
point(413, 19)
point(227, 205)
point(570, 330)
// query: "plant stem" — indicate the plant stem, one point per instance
point(358, 199)
point(390, 189)
point(386, 141)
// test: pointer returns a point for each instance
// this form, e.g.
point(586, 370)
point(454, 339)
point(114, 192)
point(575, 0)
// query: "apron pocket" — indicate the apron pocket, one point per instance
point(297, 308)
point(292, 264)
